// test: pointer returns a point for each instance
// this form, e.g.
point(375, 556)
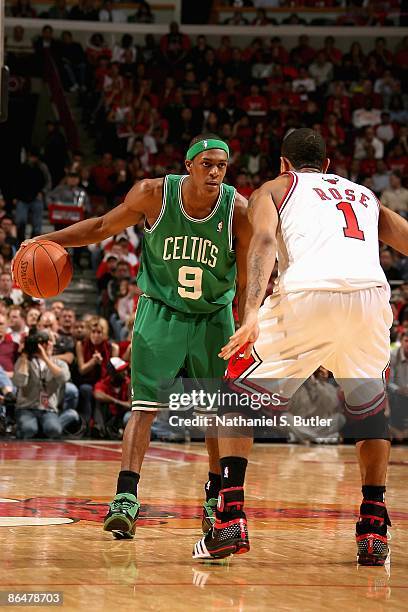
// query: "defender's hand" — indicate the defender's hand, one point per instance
point(247, 333)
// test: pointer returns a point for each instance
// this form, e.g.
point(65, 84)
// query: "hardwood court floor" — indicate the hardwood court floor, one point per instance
point(301, 502)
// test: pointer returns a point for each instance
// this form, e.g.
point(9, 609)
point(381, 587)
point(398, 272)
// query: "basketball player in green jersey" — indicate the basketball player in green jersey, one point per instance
point(196, 237)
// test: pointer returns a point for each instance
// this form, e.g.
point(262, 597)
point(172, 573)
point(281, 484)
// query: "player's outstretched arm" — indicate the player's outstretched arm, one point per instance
point(393, 230)
point(130, 212)
point(264, 219)
point(242, 232)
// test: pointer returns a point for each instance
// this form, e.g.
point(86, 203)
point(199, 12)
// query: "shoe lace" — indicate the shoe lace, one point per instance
point(122, 504)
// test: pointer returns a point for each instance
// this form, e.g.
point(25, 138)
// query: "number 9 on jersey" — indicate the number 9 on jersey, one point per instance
point(190, 282)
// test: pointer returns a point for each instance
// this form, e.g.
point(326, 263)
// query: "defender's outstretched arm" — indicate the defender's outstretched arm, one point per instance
point(264, 219)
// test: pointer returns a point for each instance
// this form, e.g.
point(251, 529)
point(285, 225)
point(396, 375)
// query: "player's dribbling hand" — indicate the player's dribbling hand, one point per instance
point(27, 242)
point(246, 334)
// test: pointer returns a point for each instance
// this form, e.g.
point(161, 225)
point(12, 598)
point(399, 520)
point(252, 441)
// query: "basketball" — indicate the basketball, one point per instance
point(42, 269)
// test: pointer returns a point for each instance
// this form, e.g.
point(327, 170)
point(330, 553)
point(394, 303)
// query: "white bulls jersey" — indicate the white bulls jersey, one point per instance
point(328, 235)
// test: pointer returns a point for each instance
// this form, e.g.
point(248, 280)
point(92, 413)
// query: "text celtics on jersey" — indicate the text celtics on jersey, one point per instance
point(193, 248)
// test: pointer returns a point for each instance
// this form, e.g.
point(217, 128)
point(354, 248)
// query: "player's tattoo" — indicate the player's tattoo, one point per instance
point(250, 208)
point(258, 261)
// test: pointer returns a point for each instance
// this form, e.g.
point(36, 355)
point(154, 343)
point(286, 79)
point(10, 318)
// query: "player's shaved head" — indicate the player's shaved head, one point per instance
point(304, 148)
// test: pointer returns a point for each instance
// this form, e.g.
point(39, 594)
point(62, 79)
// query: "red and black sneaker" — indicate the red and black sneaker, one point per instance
point(229, 535)
point(224, 539)
point(371, 534)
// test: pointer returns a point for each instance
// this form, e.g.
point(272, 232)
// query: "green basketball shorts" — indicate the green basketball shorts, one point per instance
point(166, 342)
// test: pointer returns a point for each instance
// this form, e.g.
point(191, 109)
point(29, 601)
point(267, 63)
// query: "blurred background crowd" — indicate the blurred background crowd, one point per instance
point(127, 110)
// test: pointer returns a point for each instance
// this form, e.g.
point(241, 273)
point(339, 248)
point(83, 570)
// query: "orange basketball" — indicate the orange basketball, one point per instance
point(42, 269)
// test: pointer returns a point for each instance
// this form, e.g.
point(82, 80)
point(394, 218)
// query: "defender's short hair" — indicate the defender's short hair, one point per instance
point(304, 148)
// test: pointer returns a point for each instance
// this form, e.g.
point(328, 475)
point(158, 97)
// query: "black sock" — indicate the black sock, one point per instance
point(213, 486)
point(127, 482)
point(373, 493)
point(233, 472)
point(231, 498)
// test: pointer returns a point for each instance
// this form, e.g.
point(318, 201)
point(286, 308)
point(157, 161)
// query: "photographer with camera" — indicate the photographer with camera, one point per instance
point(39, 378)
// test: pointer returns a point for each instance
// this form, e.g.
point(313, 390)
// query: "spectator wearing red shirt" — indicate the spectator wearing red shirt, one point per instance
point(167, 155)
point(101, 175)
point(175, 45)
point(398, 159)
point(332, 54)
point(112, 400)
point(167, 92)
point(106, 269)
point(369, 164)
point(261, 138)
point(355, 56)
point(341, 100)
point(367, 94)
point(146, 92)
point(255, 105)
point(278, 52)
point(97, 48)
point(228, 91)
point(332, 129)
point(243, 184)
point(243, 130)
point(303, 54)
point(284, 95)
point(381, 54)
point(8, 348)
point(224, 51)
point(253, 53)
point(93, 356)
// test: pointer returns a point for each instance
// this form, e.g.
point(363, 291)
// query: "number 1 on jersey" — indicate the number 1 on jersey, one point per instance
point(351, 230)
point(190, 280)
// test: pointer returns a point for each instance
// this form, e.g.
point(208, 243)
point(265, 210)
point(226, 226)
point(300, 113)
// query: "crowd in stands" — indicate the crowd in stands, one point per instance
point(143, 104)
point(350, 12)
point(59, 375)
point(85, 10)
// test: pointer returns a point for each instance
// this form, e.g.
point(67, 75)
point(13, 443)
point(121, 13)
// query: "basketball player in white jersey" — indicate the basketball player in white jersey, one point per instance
point(330, 308)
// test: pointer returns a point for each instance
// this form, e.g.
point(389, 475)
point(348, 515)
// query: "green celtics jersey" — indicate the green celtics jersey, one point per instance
point(187, 263)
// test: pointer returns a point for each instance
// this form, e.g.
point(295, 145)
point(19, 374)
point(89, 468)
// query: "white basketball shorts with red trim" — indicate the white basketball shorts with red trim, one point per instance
point(346, 332)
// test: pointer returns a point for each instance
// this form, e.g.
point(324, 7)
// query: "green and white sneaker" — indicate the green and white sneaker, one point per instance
point(208, 519)
point(122, 516)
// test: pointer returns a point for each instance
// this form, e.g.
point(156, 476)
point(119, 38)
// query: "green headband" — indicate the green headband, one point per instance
point(206, 145)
